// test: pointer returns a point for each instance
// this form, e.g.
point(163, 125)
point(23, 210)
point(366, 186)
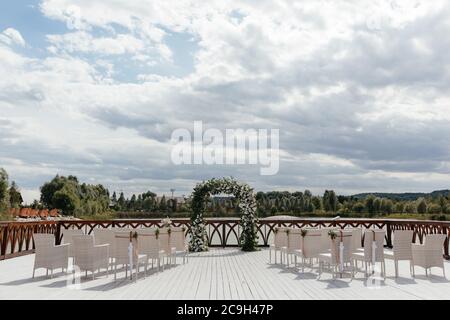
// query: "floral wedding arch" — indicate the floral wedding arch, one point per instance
point(245, 197)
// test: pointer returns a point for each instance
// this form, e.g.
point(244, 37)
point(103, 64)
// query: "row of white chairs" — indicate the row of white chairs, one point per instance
point(340, 248)
point(105, 248)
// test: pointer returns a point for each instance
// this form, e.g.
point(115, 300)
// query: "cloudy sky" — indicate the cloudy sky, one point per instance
point(359, 91)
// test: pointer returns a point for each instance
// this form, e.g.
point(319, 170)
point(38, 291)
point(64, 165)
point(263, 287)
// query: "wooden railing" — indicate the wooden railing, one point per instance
point(16, 237)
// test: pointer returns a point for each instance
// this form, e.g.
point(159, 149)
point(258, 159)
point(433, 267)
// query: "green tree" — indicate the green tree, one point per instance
point(15, 197)
point(399, 207)
point(132, 203)
point(121, 201)
point(317, 203)
point(359, 207)
point(443, 204)
point(163, 204)
point(68, 195)
point(330, 201)
point(370, 205)
point(66, 199)
point(4, 194)
point(410, 207)
point(387, 206)
point(421, 205)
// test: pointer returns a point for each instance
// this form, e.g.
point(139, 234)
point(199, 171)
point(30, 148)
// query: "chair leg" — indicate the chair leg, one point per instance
point(115, 271)
point(136, 266)
point(396, 268)
point(353, 268)
point(33, 272)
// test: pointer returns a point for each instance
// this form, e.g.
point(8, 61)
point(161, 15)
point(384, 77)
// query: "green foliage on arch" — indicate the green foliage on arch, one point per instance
point(245, 197)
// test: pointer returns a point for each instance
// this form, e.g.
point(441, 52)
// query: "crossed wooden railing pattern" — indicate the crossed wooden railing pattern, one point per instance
point(16, 238)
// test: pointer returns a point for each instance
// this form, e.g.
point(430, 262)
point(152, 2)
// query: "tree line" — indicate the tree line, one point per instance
point(10, 196)
point(73, 198)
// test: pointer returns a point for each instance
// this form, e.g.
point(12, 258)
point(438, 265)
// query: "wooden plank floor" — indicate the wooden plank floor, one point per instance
point(221, 274)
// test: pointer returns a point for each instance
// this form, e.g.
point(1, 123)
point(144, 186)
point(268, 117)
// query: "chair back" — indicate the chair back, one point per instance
point(294, 239)
point(178, 239)
point(434, 242)
point(164, 239)
point(346, 238)
point(356, 238)
point(148, 242)
point(67, 237)
point(104, 236)
point(43, 241)
point(312, 243)
point(403, 244)
point(325, 238)
point(121, 245)
point(83, 249)
point(280, 238)
point(372, 236)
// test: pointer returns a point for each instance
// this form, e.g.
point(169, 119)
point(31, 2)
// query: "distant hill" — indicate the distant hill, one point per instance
point(406, 196)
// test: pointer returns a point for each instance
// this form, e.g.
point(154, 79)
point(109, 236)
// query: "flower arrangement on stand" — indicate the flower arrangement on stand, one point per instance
point(245, 196)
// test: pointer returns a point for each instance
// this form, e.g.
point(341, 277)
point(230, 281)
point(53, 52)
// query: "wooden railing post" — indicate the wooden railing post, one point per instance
point(224, 239)
point(58, 233)
point(446, 243)
point(388, 234)
point(4, 241)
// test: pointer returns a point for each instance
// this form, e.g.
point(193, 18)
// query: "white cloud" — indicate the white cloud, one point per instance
point(11, 36)
point(358, 89)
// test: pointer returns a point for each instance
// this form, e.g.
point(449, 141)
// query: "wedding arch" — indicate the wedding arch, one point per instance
point(245, 197)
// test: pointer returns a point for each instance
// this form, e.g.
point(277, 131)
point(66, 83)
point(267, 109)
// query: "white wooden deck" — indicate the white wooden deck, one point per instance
point(221, 274)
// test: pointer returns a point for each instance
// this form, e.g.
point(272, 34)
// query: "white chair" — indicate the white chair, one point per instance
point(67, 238)
point(148, 244)
point(356, 239)
point(178, 243)
point(294, 243)
point(280, 243)
point(48, 255)
point(88, 256)
point(430, 253)
point(164, 242)
point(340, 252)
point(128, 255)
point(402, 249)
point(311, 246)
point(105, 236)
point(373, 251)
point(325, 238)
